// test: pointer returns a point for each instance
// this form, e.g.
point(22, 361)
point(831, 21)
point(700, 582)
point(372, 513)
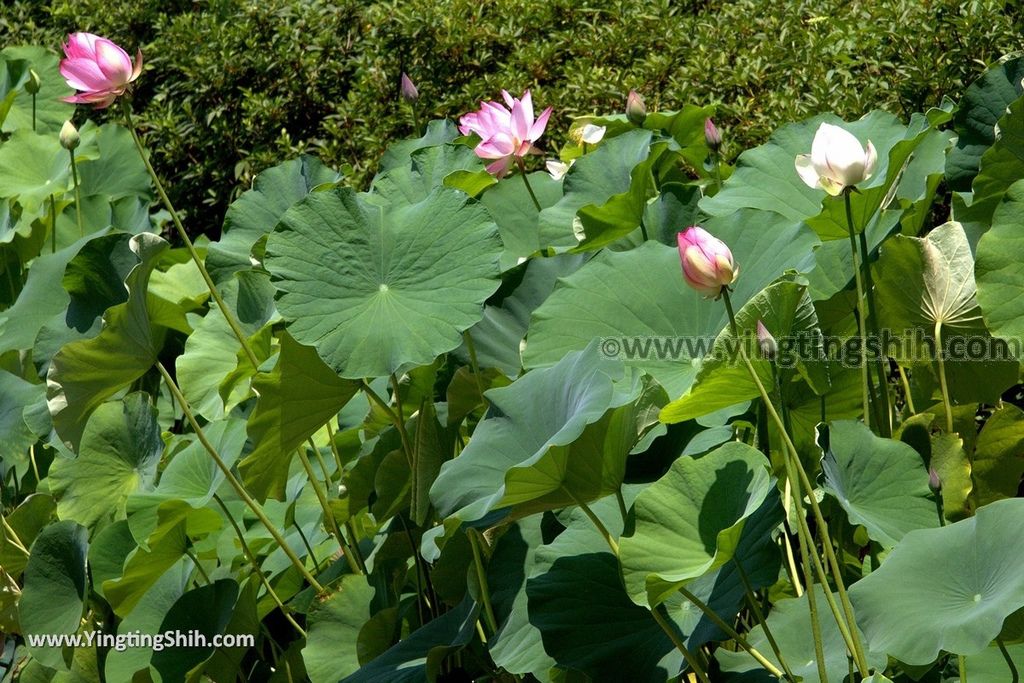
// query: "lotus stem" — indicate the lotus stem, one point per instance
point(859, 310)
point(256, 567)
point(235, 483)
point(78, 194)
point(526, 181)
point(481, 576)
point(940, 357)
point(229, 316)
point(690, 658)
point(329, 520)
point(885, 425)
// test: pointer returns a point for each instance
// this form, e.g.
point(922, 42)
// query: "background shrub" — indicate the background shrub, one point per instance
point(233, 86)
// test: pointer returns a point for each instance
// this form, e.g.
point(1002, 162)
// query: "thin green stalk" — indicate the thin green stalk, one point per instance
point(860, 311)
point(329, 520)
point(643, 230)
point(235, 483)
point(526, 181)
point(731, 632)
point(78, 194)
point(601, 528)
point(395, 418)
point(320, 461)
point(351, 528)
point(474, 366)
point(1014, 675)
point(883, 382)
point(334, 448)
point(940, 357)
point(812, 606)
point(690, 658)
point(622, 505)
point(718, 173)
point(962, 665)
point(229, 316)
point(11, 536)
point(199, 567)
point(307, 545)
point(481, 576)
point(906, 389)
point(793, 463)
point(759, 615)
point(256, 566)
point(33, 112)
point(53, 226)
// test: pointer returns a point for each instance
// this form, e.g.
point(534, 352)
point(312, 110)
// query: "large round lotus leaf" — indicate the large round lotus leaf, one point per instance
point(56, 586)
point(945, 589)
point(689, 522)
point(881, 483)
point(375, 288)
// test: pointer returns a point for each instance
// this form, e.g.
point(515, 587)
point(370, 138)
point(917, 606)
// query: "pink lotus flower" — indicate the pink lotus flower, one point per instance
point(99, 68)
point(506, 133)
point(707, 261)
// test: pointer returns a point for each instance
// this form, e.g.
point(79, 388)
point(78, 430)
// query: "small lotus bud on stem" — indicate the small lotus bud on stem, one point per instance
point(636, 111)
point(708, 265)
point(33, 83)
point(409, 92)
point(766, 342)
point(934, 483)
point(69, 136)
point(711, 136)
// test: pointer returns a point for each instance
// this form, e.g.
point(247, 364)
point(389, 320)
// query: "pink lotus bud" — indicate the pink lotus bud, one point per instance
point(33, 83)
point(837, 160)
point(636, 111)
point(766, 342)
point(934, 483)
point(711, 135)
point(409, 92)
point(707, 262)
point(99, 68)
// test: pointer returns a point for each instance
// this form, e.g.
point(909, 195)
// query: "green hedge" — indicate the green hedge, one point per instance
point(233, 86)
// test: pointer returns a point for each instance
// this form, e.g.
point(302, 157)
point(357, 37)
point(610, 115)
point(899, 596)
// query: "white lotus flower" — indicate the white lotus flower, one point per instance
point(837, 160)
point(592, 134)
point(557, 169)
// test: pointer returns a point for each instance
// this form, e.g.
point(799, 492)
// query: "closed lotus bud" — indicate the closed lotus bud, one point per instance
point(409, 92)
point(934, 483)
point(711, 135)
point(707, 262)
point(68, 136)
point(636, 111)
point(33, 83)
point(766, 342)
point(837, 160)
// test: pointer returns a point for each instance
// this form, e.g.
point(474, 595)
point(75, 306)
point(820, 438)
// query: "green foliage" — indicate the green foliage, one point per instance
point(527, 448)
point(233, 85)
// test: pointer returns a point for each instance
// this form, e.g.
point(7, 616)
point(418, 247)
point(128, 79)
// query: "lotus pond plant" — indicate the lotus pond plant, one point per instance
point(651, 414)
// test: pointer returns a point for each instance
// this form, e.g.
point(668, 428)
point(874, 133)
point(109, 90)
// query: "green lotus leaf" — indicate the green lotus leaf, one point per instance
point(56, 588)
point(119, 453)
point(85, 373)
point(881, 483)
point(638, 299)
point(331, 652)
point(983, 104)
point(378, 288)
point(945, 589)
point(689, 522)
point(523, 454)
point(254, 214)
